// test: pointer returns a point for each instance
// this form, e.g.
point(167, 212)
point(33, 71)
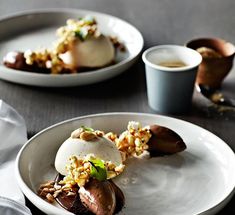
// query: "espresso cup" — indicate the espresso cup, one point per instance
point(170, 76)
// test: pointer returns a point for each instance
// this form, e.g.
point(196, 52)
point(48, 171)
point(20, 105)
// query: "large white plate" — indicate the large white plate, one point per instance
point(30, 30)
point(199, 180)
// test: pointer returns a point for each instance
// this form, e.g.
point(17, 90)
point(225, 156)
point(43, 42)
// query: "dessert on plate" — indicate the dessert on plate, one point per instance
point(89, 160)
point(80, 47)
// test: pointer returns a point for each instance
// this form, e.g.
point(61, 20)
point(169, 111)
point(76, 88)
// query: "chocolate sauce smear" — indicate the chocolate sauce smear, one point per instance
point(120, 198)
point(16, 60)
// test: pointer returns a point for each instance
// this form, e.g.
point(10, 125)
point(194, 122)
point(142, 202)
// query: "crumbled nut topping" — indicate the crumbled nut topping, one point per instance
point(99, 133)
point(117, 44)
point(88, 135)
point(133, 141)
point(79, 170)
point(76, 133)
point(50, 190)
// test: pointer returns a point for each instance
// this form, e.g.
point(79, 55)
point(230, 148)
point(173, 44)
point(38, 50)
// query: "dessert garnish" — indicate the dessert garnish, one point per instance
point(89, 159)
point(80, 47)
point(164, 141)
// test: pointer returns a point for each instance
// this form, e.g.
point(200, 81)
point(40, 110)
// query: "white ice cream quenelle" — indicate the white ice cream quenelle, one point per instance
point(93, 52)
point(101, 147)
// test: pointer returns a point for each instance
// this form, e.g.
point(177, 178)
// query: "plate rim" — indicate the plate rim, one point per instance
point(130, 59)
point(220, 204)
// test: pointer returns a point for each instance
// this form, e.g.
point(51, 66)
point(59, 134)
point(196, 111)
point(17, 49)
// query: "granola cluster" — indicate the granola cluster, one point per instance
point(133, 141)
point(79, 170)
point(86, 133)
point(50, 190)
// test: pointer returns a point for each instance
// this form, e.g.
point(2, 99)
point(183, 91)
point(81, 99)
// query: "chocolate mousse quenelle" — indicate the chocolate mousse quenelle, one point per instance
point(80, 47)
point(89, 159)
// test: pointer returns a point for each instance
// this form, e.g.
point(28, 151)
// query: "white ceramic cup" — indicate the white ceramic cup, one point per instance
point(170, 89)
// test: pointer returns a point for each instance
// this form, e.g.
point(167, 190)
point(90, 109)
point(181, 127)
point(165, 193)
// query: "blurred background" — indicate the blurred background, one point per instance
point(169, 21)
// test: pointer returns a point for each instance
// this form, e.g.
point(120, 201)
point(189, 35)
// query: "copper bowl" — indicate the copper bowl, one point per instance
point(213, 70)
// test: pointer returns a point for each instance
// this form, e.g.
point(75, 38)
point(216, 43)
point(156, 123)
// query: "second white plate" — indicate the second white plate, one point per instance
point(199, 180)
point(30, 30)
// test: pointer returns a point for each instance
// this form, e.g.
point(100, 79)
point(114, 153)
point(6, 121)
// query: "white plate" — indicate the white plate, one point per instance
point(30, 30)
point(199, 180)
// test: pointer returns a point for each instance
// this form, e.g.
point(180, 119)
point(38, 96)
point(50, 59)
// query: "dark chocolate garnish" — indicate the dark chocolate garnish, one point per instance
point(99, 197)
point(15, 60)
point(164, 141)
point(71, 203)
point(102, 191)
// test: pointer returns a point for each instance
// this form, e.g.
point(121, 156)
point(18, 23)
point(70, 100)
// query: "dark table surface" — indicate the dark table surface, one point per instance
point(161, 22)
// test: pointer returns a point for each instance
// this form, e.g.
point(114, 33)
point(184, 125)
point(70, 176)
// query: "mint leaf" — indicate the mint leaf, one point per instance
point(85, 128)
point(89, 20)
point(98, 169)
point(80, 35)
